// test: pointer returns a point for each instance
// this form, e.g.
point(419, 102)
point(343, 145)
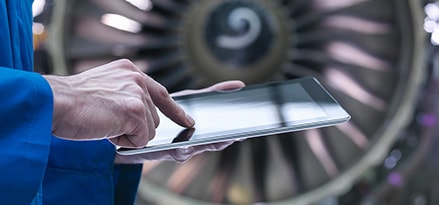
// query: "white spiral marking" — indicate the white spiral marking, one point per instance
point(237, 19)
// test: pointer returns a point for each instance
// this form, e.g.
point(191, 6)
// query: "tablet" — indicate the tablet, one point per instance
point(253, 111)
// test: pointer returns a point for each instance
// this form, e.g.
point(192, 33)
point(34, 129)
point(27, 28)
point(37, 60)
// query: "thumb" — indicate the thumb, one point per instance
point(129, 141)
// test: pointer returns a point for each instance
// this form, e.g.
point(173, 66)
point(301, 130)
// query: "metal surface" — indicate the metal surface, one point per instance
point(369, 53)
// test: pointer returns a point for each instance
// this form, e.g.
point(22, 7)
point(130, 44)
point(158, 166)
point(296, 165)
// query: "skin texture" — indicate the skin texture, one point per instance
point(116, 101)
point(119, 102)
point(178, 155)
point(183, 154)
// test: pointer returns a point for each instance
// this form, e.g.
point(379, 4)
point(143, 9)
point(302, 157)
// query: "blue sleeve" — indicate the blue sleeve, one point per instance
point(83, 172)
point(25, 134)
point(70, 172)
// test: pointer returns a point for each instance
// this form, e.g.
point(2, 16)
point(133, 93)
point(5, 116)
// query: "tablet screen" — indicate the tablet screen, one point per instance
point(252, 111)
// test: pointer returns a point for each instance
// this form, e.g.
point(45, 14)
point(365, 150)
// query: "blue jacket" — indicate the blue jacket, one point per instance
point(35, 167)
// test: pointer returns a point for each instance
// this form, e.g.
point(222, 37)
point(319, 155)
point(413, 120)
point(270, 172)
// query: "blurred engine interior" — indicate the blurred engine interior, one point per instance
point(377, 57)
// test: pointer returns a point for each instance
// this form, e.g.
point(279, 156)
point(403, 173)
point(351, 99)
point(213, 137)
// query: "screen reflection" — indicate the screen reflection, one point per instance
point(230, 113)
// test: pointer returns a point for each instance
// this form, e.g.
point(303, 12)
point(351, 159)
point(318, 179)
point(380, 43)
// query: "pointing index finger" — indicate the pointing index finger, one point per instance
point(167, 105)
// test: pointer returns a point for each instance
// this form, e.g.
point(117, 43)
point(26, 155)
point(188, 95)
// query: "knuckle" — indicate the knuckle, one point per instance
point(125, 62)
point(134, 106)
point(138, 78)
point(179, 113)
point(162, 91)
point(137, 92)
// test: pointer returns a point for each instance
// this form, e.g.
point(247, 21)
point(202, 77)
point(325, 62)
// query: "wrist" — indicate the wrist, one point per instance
point(61, 103)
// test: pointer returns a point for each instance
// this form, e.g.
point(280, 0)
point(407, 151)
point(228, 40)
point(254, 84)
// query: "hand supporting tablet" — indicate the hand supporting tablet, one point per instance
point(179, 154)
point(253, 111)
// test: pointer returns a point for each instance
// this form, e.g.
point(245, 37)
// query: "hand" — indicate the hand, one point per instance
point(115, 101)
point(222, 86)
point(179, 155)
point(182, 155)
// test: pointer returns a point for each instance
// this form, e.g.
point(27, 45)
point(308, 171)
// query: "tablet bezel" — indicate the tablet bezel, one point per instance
point(335, 115)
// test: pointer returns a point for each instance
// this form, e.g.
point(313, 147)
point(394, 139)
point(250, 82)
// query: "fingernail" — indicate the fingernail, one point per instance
point(190, 120)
